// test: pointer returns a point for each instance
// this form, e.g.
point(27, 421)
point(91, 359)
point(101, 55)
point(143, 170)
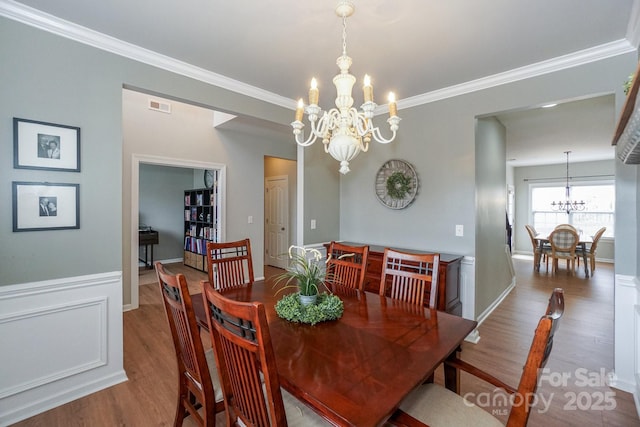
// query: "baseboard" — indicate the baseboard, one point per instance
point(485, 314)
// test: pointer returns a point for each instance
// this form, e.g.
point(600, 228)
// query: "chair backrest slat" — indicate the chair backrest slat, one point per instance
point(243, 349)
point(229, 264)
point(408, 277)
point(346, 265)
point(193, 369)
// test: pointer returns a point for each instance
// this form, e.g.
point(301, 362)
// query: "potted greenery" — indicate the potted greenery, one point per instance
point(306, 272)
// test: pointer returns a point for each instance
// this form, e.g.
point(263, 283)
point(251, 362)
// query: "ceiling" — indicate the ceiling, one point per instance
point(422, 50)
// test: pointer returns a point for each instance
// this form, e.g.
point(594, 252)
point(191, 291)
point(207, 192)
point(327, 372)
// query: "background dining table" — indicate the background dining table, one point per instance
point(356, 370)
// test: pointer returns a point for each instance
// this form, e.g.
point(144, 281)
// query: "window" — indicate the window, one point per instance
point(599, 208)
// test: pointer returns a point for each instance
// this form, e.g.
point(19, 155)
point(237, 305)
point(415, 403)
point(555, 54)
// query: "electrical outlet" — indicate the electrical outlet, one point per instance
point(250, 219)
point(459, 230)
point(313, 224)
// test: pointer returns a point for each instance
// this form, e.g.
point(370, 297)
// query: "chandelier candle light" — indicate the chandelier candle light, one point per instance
point(568, 205)
point(344, 130)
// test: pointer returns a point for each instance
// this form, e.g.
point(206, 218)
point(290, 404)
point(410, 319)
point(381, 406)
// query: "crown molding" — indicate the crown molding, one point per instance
point(633, 28)
point(559, 63)
point(46, 22)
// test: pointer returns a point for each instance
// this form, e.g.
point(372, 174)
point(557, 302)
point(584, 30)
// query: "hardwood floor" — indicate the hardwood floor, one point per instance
point(584, 340)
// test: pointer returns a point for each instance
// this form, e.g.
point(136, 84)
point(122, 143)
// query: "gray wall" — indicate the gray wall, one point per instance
point(161, 198)
point(49, 78)
point(492, 261)
point(321, 200)
point(439, 140)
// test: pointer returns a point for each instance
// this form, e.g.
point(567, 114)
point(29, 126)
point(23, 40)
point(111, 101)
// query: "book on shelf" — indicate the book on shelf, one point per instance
point(199, 199)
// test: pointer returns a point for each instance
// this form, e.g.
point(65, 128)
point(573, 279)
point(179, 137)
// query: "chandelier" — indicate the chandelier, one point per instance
point(344, 130)
point(568, 205)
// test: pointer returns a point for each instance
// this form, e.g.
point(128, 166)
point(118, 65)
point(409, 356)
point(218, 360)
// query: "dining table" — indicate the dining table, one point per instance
point(356, 370)
point(543, 239)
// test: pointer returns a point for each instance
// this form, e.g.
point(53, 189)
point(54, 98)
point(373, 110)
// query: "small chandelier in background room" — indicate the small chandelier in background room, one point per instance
point(344, 130)
point(568, 205)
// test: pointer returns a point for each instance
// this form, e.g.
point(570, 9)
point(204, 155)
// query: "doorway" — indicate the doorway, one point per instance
point(280, 209)
point(135, 206)
point(276, 218)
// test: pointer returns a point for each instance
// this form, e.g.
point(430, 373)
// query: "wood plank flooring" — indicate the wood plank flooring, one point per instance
point(584, 340)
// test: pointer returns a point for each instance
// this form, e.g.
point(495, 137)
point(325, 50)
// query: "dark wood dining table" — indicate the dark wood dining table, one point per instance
point(582, 244)
point(356, 370)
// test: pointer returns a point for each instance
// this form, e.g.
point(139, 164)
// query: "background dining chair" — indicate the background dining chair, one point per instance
point(229, 264)
point(565, 227)
point(198, 384)
point(436, 406)
point(591, 251)
point(346, 265)
point(540, 252)
point(247, 365)
point(563, 246)
point(407, 277)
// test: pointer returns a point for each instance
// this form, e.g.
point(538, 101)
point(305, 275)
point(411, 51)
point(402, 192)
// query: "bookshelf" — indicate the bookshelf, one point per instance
point(201, 214)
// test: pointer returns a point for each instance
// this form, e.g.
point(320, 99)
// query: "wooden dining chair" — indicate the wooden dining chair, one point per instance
point(229, 264)
point(408, 277)
point(540, 253)
point(591, 251)
point(563, 246)
point(247, 366)
point(437, 406)
point(346, 265)
point(566, 227)
point(199, 391)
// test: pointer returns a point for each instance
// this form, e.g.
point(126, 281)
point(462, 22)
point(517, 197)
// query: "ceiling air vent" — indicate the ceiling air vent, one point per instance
point(163, 107)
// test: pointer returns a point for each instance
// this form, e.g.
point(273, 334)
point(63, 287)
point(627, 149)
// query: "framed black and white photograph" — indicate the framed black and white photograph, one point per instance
point(45, 206)
point(48, 146)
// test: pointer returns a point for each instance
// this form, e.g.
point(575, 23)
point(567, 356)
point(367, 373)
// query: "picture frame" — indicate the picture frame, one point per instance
point(41, 206)
point(45, 146)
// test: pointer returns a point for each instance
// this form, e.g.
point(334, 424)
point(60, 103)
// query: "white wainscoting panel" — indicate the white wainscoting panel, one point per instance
point(61, 340)
point(468, 294)
point(626, 333)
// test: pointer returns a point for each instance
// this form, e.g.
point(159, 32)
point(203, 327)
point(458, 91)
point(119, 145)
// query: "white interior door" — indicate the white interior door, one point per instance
point(276, 221)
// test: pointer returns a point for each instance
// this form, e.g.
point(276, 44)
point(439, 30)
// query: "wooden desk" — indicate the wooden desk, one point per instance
point(448, 276)
point(355, 371)
point(582, 243)
point(146, 239)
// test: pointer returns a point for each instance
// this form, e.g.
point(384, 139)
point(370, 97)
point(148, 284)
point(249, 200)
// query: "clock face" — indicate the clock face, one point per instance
point(208, 178)
point(396, 184)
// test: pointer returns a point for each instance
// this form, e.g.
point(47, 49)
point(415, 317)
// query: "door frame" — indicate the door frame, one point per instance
point(136, 159)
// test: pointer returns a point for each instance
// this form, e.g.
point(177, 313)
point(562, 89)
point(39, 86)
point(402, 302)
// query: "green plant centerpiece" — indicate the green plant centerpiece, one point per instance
point(306, 273)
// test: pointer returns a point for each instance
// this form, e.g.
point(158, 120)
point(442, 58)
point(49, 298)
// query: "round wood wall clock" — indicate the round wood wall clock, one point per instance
point(396, 184)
